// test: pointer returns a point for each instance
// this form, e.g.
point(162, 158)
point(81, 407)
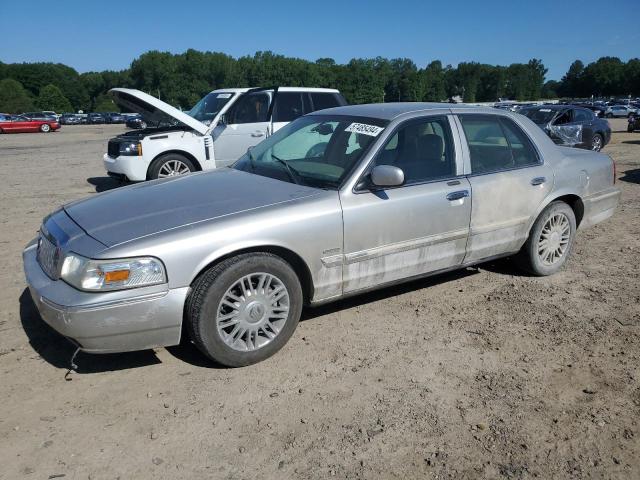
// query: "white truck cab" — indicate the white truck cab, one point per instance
point(214, 133)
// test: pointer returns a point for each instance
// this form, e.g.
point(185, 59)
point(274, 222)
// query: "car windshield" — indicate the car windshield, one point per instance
point(317, 151)
point(207, 108)
point(539, 115)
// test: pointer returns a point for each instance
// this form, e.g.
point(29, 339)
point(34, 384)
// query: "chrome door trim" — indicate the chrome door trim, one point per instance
point(399, 247)
point(500, 225)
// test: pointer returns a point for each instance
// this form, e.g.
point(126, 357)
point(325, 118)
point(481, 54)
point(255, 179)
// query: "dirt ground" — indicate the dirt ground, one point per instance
point(483, 373)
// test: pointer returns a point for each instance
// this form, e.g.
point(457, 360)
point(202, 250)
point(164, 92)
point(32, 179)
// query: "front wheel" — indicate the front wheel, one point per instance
point(597, 142)
point(244, 309)
point(170, 165)
point(45, 127)
point(550, 240)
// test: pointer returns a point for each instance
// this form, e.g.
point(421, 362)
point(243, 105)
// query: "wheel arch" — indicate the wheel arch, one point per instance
point(298, 264)
point(570, 198)
point(184, 153)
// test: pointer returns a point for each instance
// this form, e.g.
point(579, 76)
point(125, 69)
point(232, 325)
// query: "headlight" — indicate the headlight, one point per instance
point(132, 148)
point(99, 275)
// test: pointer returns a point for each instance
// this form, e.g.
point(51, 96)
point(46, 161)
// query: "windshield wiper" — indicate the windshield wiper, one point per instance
point(293, 173)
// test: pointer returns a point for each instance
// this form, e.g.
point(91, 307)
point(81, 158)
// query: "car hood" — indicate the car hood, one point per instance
point(154, 110)
point(148, 208)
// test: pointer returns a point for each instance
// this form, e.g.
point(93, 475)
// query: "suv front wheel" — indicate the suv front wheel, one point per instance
point(170, 165)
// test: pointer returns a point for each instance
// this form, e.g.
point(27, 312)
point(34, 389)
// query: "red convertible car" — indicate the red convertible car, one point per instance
point(20, 124)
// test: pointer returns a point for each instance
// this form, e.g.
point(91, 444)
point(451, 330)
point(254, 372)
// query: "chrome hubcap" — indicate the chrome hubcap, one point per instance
point(172, 168)
point(253, 311)
point(554, 239)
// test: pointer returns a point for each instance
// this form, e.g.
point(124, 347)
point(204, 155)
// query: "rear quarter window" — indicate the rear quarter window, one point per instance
point(325, 100)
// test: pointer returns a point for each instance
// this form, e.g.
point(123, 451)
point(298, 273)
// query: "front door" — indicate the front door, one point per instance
point(419, 227)
point(508, 180)
point(247, 123)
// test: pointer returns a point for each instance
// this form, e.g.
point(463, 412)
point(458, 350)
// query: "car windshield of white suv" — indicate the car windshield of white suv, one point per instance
point(207, 108)
point(316, 151)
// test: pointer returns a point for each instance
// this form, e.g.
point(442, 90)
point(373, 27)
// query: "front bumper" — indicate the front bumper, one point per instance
point(108, 322)
point(134, 168)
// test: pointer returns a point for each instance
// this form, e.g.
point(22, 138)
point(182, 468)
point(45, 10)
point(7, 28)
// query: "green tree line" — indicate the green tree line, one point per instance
point(182, 79)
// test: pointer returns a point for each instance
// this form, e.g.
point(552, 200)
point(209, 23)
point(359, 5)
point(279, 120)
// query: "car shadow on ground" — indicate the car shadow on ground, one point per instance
point(631, 142)
point(102, 184)
point(631, 176)
point(57, 350)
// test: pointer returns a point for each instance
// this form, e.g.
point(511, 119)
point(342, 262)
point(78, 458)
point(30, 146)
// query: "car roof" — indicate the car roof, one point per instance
point(390, 111)
point(280, 89)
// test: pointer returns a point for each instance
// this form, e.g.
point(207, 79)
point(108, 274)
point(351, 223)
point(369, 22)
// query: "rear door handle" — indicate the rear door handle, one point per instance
point(257, 134)
point(457, 195)
point(538, 181)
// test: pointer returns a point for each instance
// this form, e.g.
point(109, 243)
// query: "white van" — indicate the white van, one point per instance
point(214, 133)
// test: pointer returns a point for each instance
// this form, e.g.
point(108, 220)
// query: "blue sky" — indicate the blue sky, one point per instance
point(98, 35)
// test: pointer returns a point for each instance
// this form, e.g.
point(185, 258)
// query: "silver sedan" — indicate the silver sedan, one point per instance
point(337, 203)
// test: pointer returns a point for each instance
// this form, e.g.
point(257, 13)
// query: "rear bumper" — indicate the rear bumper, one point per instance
point(600, 206)
point(109, 322)
point(133, 168)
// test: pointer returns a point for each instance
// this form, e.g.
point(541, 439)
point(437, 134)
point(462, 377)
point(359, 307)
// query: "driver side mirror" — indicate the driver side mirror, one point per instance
point(387, 176)
point(223, 119)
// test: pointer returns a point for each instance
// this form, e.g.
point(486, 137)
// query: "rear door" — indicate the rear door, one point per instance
point(509, 181)
point(246, 124)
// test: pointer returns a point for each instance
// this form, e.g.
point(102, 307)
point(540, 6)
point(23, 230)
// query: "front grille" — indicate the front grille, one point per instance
point(113, 149)
point(48, 257)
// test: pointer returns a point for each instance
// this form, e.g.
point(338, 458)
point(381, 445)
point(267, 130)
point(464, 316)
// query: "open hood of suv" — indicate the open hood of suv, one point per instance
point(154, 110)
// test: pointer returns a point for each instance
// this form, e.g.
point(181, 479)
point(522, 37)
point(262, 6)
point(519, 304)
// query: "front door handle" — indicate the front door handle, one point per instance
point(257, 134)
point(457, 195)
point(538, 181)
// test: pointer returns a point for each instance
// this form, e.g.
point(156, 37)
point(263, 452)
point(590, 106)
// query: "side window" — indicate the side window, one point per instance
point(522, 150)
point(581, 116)
point(324, 100)
point(288, 106)
point(563, 118)
point(496, 144)
point(250, 108)
point(423, 149)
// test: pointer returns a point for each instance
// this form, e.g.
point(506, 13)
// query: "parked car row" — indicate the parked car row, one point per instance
point(315, 204)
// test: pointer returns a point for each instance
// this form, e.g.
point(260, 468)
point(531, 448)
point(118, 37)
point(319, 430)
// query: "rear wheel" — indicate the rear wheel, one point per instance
point(550, 240)
point(170, 165)
point(45, 127)
point(597, 142)
point(244, 309)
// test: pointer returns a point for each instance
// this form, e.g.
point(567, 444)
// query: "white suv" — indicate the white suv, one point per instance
point(214, 133)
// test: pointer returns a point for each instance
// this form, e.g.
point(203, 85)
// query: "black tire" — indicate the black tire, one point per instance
point(597, 142)
point(608, 115)
point(630, 128)
point(209, 289)
point(45, 128)
point(157, 165)
point(528, 258)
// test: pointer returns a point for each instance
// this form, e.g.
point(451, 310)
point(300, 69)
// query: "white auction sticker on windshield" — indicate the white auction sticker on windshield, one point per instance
point(223, 95)
point(364, 129)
